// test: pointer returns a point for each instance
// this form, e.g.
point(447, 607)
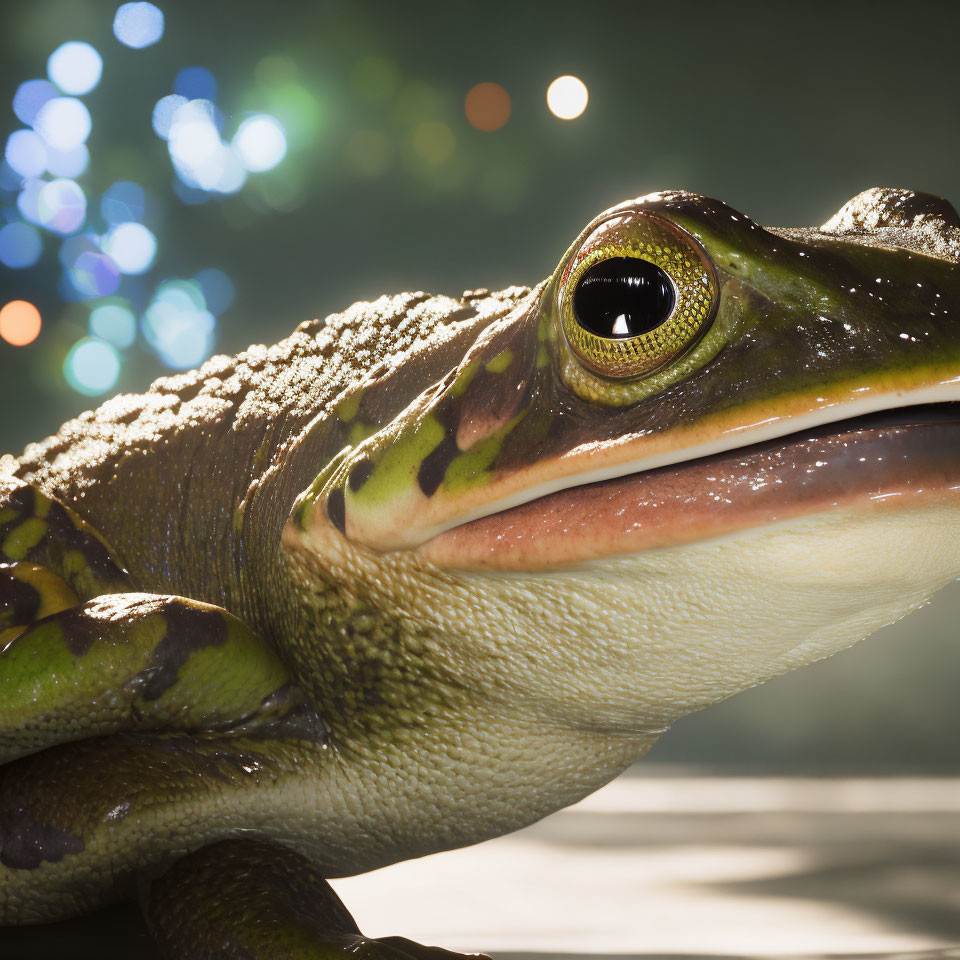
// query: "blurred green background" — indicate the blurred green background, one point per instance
point(366, 176)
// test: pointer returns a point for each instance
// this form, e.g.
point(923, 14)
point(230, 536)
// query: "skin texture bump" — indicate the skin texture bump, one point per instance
point(434, 567)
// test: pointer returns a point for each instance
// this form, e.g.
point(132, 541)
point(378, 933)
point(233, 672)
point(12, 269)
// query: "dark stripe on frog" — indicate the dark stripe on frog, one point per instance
point(26, 842)
point(64, 528)
point(360, 473)
point(337, 509)
point(435, 463)
point(79, 630)
point(188, 630)
point(19, 601)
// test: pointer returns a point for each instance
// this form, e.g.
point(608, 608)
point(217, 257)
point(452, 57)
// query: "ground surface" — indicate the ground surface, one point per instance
point(667, 863)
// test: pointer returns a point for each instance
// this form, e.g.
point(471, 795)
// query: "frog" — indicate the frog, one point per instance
point(434, 567)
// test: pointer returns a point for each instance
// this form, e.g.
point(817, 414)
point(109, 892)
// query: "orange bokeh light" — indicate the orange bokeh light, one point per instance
point(19, 322)
point(487, 106)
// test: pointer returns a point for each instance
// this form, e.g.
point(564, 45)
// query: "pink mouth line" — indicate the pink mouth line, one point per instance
point(868, 467)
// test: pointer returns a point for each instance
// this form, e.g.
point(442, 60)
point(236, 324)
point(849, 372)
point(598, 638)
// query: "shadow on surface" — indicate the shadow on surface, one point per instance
point(916, 891)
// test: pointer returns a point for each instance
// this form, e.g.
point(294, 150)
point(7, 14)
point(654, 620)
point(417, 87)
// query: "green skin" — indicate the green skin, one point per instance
point(183, 663)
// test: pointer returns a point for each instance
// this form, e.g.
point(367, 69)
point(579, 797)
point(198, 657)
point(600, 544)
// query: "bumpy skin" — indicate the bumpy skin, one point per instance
point(222, 609)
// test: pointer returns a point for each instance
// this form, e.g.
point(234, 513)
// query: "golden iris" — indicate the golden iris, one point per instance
point(624, 320)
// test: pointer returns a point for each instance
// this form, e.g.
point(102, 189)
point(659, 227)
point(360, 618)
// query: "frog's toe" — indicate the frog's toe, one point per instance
point(260, 900)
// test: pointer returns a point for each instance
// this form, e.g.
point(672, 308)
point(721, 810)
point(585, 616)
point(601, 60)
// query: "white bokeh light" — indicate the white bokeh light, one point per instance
point(26, 153)
point(62, 206)
point(132, 247)
point(31, 95)
point(567, 97)
point(163, 113)
point(28, 200)
point(233, 174)
point(178, 326)
point(260, 143)
point(64, 123)
point(138, 25)
point(68, 163)
point(92, 366)
point(75, 67)
point(198, 154)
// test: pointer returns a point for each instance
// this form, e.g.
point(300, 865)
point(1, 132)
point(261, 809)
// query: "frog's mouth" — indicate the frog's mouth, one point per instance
point(900, 458)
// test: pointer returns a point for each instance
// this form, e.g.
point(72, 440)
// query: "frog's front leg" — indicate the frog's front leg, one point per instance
point(135, 661)
point(82, 656)
point(259, 900)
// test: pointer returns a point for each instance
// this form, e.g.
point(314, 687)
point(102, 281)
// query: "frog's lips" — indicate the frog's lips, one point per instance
point(890, 458)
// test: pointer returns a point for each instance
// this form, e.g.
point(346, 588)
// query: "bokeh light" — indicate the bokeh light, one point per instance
point(138, 25)
point(260, 142)
point(132, 247)
point(20, 245)
point(122, 202)
point(68, 163)
point(72, 247)
point(75, 67)
point(31, 95)
point(218, 290)
point(115, 323)
point(195, 83)
point(163, 113)
point(433, 142)
point(19, 323)
point(567, 97)
point(64, 123)
point(197, 152)
point(487, 106)
point(178, 325)
point(92, 366)
point(28, 200)
point(94, 274)
point(26, 153)
point(62, 206)
point(232, 175)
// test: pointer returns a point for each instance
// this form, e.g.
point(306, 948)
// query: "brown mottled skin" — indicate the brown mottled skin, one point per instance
point(255, 630)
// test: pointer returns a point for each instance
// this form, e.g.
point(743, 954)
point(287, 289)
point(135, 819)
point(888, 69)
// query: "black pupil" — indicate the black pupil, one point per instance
point(623, 297)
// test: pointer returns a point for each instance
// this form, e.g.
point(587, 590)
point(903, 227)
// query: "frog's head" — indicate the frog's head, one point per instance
point(702, 453)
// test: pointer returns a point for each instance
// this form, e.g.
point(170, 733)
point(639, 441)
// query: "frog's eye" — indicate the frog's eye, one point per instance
point(635, 296)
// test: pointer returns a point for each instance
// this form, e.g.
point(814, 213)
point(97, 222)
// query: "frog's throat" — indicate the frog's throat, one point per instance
point(620, 498)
